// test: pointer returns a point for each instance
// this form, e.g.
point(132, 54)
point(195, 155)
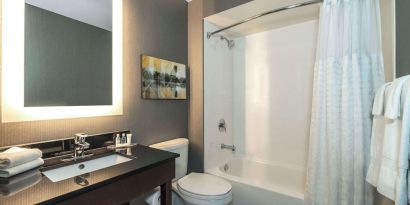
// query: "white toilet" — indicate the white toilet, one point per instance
point(194, 188)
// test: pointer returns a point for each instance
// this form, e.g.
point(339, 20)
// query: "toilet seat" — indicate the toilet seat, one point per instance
point(179, 195)
point(204, 186)
point(197, 189)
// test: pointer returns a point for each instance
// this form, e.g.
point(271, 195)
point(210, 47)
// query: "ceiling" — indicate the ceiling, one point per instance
point(272, 21)
point(94, 12)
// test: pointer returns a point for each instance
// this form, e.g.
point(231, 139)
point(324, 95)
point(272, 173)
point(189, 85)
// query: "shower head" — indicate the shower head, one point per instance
point(231, 43)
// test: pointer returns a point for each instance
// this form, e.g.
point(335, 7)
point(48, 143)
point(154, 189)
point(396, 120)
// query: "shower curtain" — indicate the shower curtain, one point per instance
point(348, 70)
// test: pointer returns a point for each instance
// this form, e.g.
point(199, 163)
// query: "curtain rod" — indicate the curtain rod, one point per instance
point(209, 34)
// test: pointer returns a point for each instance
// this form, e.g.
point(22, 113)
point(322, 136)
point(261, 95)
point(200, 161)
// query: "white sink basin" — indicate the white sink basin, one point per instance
point(73, 170)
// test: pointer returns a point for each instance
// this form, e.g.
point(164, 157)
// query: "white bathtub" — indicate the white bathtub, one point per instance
point(261, 183)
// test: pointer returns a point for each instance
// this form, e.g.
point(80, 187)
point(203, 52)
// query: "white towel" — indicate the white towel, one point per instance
point(21, 168)
point(379, 100)
point(402, 188)
point(16, 156)
point(390, 167)
point(377, 135)
point(393, 100)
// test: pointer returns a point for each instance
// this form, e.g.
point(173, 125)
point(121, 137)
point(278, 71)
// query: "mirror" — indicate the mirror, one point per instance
point(61, 59)
point(402, 38)
point(67, 53)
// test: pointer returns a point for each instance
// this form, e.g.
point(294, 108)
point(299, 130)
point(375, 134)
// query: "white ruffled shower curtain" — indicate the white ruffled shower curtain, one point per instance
point(348, 70)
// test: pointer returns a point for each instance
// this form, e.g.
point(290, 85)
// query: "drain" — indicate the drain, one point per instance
point(81, 166)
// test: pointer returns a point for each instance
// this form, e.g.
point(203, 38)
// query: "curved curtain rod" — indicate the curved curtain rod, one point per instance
point(209, 34)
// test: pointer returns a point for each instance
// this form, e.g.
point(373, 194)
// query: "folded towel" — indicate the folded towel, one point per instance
point(393, 170)
point(404, 151)
point(376, 145)
point(16, 156)
point(393, 100)
point(379, 100)
point(20, 182)
point(21, 168)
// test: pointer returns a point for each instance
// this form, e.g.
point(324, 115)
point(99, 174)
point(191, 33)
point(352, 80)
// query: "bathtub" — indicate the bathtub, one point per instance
point(261, 183)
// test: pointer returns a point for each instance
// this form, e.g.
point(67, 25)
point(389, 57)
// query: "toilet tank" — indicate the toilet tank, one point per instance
point(180, 146)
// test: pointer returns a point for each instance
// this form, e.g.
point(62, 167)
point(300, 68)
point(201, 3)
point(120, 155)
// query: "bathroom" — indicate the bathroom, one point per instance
point(233, 127)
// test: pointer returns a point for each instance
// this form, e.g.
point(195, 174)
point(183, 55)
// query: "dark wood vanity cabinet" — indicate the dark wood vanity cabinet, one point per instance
point(130, 187)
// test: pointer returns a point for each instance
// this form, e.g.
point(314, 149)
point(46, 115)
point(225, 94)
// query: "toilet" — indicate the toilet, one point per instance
point(194, 188)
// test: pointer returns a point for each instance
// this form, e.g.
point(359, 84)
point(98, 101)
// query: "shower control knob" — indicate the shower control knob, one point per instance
point(222, 125)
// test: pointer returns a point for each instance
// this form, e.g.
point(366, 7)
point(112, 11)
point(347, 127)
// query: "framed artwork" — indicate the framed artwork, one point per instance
point(162, 79)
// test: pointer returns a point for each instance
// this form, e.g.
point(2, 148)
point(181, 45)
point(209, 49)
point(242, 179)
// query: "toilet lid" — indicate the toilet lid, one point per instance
point(204, 185)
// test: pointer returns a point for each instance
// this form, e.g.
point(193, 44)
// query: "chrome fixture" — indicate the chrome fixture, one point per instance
point(222, 125)
point(231, 147)
point(80, 145)
point(231, 43)
point(209, 34)
point(226, 167)
point(82, 179)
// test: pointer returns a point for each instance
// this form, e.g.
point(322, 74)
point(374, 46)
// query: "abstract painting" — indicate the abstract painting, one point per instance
point(162, 79)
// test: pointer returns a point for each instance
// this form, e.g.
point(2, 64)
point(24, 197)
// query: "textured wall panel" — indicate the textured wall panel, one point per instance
point(196, 108)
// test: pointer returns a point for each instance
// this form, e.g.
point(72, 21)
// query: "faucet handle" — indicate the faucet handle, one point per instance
point(86, 145)
point(80, 139)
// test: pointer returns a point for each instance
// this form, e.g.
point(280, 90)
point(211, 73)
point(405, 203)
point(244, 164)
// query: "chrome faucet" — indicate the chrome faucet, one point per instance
point(231, 147)
point(80, 145)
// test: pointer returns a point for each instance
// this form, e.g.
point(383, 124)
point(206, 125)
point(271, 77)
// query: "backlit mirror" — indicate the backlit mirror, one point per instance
point(61, 59)
point(67, 53)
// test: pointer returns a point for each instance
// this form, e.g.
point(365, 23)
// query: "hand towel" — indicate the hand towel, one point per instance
point(21, 168)
point(402, 189)
point(379, 100)
point(377, 135)
point(16, 156)
point(20, 182)
point(393, 108)
point(390, 167)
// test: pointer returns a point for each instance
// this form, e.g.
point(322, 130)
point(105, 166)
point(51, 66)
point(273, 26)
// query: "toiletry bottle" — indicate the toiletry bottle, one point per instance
point(129, 139)
point(123, 139)
point(117, 139)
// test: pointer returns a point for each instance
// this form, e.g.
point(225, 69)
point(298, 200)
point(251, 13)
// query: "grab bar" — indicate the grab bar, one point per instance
point(231, 147)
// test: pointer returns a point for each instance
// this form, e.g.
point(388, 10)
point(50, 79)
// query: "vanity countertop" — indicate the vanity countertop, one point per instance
point(44, 191)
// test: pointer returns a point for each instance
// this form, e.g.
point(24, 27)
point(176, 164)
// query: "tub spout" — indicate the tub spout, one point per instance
point(231, 147)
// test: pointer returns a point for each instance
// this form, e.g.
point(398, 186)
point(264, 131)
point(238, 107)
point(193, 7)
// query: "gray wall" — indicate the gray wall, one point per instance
point(67, 62)
point(402, 38)
point(154, 27)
